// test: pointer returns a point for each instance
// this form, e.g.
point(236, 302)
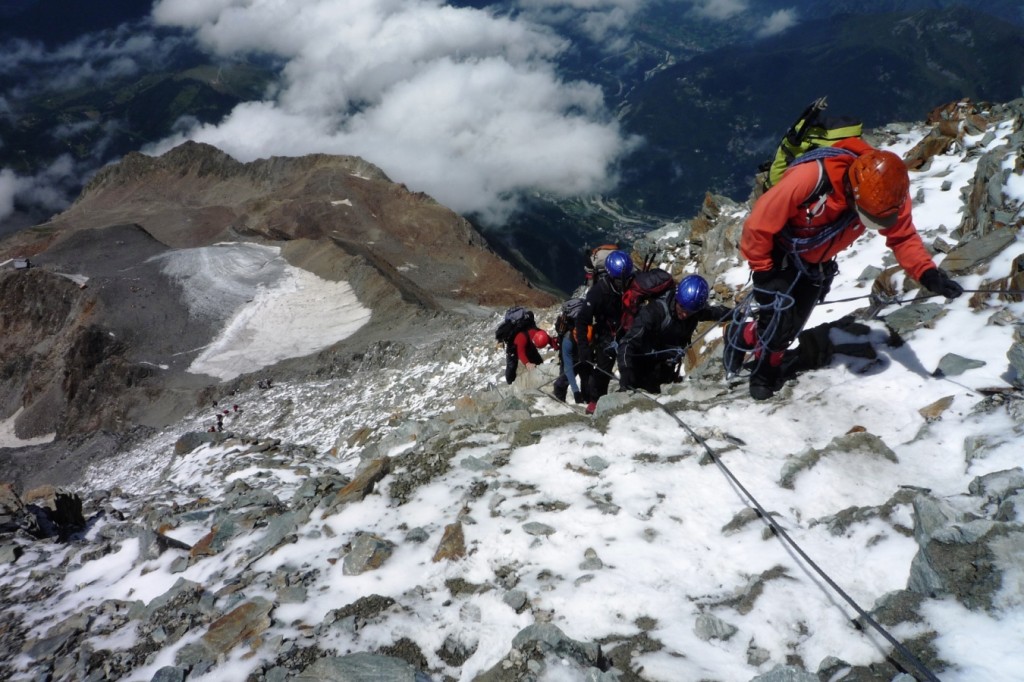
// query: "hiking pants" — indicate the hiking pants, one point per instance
point(511, 363)
point(778, 322)
point(601, 374)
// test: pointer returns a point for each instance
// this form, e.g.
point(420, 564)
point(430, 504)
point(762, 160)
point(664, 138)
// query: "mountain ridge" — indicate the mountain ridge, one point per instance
point(125, 259)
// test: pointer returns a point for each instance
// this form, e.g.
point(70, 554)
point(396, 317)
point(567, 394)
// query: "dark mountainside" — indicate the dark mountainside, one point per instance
point(83, 361)
point(716, 117)
point(710, 119)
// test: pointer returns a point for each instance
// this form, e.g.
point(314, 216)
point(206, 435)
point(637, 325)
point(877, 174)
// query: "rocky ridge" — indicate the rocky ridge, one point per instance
point(258, 526)
point(86, 349)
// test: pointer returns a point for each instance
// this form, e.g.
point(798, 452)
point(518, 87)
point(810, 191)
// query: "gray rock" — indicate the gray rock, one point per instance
point(859, 444)
point(1016, 357)
point(359, 667)
point(476, 464)
point(535, 528)
point(952, 365)
point(869, 274)
point(709, 626)
point(914, 316)
point(591, 561)
point(973, 252)
point(417, 535)
point(192, 440)
point(369, 552)
point(548, 637)
point(516, 599)
point(169, 673)
point(282, 527)
point(963, 556)
point(998, 485)
point(786, 673)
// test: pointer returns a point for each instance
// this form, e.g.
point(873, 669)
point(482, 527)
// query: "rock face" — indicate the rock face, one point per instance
point(195, 195)
point(97, 337)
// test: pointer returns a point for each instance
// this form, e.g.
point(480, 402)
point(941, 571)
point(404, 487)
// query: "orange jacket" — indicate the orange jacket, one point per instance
point(781, 206)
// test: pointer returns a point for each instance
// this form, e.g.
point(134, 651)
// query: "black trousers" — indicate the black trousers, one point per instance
point(601, 375)
point(780, 320)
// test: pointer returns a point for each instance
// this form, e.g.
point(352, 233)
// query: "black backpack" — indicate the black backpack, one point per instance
point(517, 319)
point(567, 316)
point(645, 286)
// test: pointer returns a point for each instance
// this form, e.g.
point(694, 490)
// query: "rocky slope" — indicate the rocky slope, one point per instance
point(409, 519)
point(99, 337)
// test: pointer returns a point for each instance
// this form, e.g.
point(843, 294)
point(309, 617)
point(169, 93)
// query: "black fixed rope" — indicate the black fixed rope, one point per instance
point(780, 532)
point(888, 300)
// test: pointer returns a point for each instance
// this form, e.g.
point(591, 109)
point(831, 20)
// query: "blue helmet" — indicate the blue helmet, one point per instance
point(692, 293)
point(619, 265)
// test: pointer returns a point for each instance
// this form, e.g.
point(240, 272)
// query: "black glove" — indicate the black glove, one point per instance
point(938, 281)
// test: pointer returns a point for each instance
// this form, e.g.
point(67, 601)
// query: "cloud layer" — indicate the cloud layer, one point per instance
point(464, 104)
point(457, 102)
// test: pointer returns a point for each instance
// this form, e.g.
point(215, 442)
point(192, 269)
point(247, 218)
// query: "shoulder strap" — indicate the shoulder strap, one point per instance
point(667, 319)
point(822, 187)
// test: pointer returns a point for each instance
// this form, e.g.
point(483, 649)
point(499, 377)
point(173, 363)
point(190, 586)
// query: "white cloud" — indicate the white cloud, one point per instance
point(46, 190)
point(603, 21)
point(778, 22)
point(719, 9)
point(460, 103)
point(8, 190)
point(91, 58)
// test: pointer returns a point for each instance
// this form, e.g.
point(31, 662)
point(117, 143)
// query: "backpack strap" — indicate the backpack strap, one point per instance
point(823, 187)
point(817, 197)
point(667, 319)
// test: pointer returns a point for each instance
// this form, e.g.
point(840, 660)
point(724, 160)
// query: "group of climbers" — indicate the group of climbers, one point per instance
point(818, 207)
point(592, 333)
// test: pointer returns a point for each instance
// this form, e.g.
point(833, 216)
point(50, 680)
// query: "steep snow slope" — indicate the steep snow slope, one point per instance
point(607, 548)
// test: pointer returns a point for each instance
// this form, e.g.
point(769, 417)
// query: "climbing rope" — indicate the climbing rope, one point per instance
point(748, 498)
point(895, 300)
point(748, 309)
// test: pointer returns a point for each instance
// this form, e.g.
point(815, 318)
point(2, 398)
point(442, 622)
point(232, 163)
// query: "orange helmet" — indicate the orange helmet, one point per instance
point(880, 183)
point(539, 337)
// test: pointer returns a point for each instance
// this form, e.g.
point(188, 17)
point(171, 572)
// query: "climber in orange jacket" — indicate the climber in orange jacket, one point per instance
point(795, 229)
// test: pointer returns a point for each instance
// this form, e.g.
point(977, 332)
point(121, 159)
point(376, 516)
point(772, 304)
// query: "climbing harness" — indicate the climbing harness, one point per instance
point(748, 309)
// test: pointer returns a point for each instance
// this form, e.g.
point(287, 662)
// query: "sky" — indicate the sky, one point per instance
point(460, 103)
point(663, 554)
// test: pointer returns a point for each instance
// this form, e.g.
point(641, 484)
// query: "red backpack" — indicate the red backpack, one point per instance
point(645, 286)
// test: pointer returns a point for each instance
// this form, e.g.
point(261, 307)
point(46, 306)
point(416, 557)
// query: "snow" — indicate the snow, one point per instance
point(271, 310)
point(654, 514)
point(9, 439)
